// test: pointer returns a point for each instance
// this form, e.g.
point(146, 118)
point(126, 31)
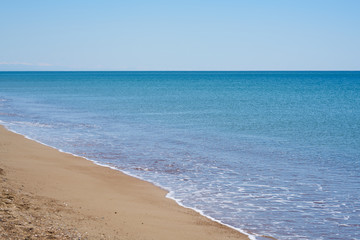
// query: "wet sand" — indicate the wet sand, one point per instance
point(47, 194)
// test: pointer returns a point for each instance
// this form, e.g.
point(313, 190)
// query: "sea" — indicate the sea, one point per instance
point(267, 153)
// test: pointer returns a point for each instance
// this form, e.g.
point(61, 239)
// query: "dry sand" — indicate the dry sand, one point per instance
point(47, 194)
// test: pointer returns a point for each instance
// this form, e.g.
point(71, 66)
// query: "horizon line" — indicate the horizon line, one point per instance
point(180, 70)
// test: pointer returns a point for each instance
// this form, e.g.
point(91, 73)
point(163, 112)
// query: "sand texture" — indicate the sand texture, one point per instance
point(47, 194)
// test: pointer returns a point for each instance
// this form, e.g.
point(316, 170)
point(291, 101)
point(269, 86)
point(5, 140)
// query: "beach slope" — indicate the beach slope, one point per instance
point(49, 194)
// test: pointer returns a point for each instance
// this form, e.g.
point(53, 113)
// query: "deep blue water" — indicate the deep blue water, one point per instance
point(273, 153)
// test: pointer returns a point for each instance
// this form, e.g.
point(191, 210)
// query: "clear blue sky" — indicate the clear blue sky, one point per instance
point(180, 35)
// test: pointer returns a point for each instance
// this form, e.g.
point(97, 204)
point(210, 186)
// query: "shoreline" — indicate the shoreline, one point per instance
point(131, 198)
point(168, 192)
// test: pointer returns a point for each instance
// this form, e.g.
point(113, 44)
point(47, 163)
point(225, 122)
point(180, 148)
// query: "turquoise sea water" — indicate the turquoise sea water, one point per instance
point(270, 153)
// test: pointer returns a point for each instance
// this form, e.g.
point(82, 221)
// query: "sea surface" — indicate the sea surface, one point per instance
point(268, 153)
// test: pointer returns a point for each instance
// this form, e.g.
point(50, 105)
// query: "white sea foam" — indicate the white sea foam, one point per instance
point(32, 124)
point(169, 195)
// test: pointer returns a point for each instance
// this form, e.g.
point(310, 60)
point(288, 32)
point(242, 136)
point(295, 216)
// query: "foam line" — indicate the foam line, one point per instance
point(169, 195)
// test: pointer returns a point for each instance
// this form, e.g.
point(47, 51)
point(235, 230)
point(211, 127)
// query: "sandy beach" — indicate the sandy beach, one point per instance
point(47, 194)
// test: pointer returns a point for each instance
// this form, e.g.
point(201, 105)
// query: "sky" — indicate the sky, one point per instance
point(228, 35)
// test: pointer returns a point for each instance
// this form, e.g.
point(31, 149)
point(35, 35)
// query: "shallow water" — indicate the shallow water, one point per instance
point(273, 153)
